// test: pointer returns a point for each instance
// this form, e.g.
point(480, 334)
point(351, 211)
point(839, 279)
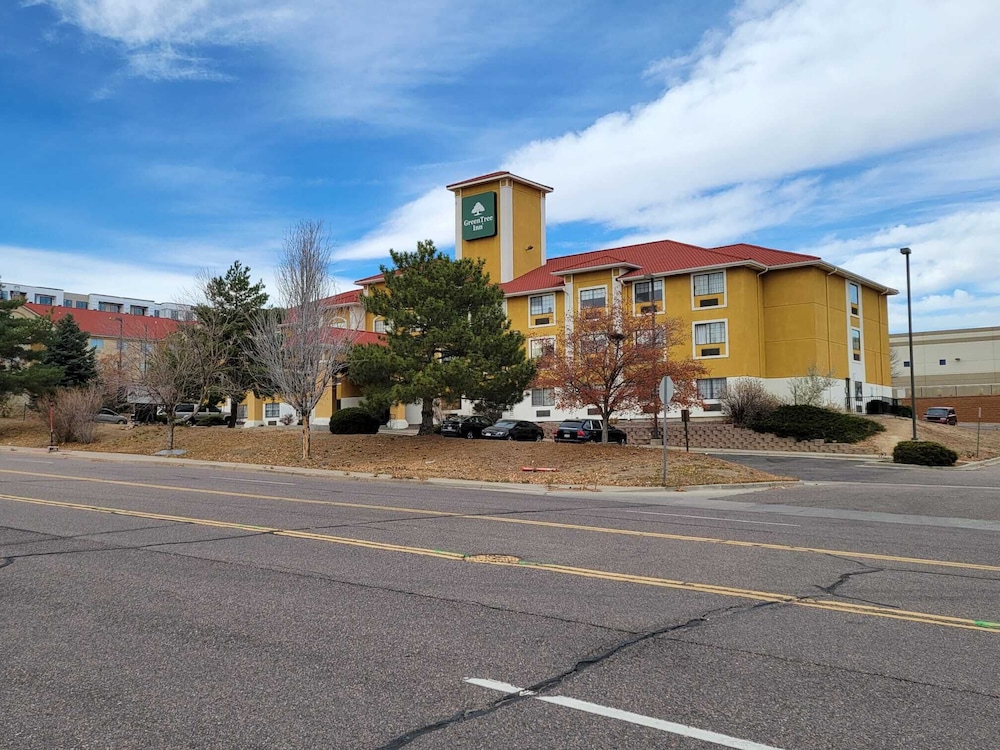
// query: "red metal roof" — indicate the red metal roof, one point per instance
point(105, 324)
point(659, 257)
point(765, 255)
point(351, 297)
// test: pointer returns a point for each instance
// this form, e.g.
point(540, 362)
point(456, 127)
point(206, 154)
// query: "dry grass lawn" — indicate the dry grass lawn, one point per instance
point(410, 457)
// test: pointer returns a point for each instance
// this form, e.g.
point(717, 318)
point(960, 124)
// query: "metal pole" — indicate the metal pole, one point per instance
point(909, 327)
point(664, 443)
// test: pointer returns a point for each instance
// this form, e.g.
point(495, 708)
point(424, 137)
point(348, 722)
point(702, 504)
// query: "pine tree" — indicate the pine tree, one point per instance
point(448, 337)
point(232, 304)
point(69, 349)
point(21, 341)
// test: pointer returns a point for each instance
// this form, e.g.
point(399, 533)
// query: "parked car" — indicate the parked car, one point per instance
point(465, 427)
point(942, 414)
point(514, 429)
point(112, 417)
point(587, 431)
point(185, 412)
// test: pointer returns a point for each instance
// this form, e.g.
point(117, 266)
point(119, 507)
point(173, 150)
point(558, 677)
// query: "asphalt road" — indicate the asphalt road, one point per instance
point(169, 605)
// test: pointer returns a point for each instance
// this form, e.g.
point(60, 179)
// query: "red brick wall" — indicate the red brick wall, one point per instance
point(967, 407)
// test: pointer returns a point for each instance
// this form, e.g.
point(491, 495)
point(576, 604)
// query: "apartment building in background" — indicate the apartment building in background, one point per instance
point(52, 297)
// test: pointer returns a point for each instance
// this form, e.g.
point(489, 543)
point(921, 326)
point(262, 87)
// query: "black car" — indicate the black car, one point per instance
point(942, 414)
point(466, 427)
point(514, 429)
point(587, 431)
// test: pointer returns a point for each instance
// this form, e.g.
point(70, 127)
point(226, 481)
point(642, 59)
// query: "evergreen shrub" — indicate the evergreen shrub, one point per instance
point(804, 422)
point(923, 453)
point(354, 421)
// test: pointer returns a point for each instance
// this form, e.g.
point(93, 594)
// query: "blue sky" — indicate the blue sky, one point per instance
point(146, 142)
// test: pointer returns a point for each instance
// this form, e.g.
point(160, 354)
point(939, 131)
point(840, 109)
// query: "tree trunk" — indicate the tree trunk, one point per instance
point(306, 448)
point(170, 431)
point(426, 417)
point(233, 411)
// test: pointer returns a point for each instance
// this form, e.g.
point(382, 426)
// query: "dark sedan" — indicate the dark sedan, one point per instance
point(587, 431)
point(464, 427)
point(511, 429)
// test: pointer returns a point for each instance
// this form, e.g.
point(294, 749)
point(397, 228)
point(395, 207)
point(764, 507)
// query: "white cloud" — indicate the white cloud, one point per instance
point(336, 58)
point(793, 89)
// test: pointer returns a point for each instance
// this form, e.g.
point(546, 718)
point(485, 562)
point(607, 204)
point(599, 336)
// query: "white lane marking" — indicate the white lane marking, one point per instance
point(709, 518)
point(257, 481)
point(613, 713)
point(28, 460)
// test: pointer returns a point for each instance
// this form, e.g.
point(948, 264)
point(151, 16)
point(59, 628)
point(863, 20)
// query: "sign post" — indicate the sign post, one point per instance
point(666, 394)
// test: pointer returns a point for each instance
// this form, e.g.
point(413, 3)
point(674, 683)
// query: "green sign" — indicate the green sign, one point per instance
point(479, 216)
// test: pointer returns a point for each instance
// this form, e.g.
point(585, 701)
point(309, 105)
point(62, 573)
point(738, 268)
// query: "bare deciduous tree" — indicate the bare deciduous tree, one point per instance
point(746, 400)
point(185, 366)
point(812, 388)
point(299, 349)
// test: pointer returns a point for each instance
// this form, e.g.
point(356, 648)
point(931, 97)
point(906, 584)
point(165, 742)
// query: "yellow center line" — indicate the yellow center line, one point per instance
point(703, 588)
point(533, 522)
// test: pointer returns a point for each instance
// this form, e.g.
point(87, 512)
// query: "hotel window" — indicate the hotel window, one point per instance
point(543, 397)
point(539, 347)
point(710, 333)
point(81, 305)
point(646, 292)
point(137, 310)
point(592, 298)
point(709, 283)
point(109, 307)
point(711, 388)
point(854, 294)
point(856, 343)
point(44, 299)
point(655, 336)
point(379, 325)
point(593, 343)
point(272, 411)
point(96, 343)
point(543, 304)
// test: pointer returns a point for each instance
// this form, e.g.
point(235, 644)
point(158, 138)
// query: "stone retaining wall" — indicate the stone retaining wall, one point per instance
point(724, 435)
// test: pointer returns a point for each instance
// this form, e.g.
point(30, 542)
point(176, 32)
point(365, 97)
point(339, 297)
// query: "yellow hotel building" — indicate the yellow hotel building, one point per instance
point(751, 311)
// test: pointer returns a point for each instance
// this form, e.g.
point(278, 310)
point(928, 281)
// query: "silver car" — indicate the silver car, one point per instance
point(113, 417)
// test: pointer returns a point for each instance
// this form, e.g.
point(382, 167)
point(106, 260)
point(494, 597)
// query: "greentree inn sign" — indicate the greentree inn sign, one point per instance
point(479, 216)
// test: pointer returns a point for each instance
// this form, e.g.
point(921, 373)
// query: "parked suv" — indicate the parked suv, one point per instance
point(942, 414)
point(587, 431)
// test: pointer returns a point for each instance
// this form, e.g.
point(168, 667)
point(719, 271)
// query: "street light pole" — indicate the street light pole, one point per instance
point(905, 251)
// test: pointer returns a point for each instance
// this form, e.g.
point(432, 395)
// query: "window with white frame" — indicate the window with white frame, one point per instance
point(591, 298)
point(711, 389)
point(593, 343)
point(542, 304)
point(709, 283)
point(272, 411)
point(543, 397)
point(855, 294)
point(856, 343)
point(710, 333)
point(379, 325)
point(44, 299)
point(655, 336)
point(540, 347)
point(648, 291)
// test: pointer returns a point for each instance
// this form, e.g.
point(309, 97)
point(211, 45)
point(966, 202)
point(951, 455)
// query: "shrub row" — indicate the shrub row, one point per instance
point(804, 422)
point(923, 453)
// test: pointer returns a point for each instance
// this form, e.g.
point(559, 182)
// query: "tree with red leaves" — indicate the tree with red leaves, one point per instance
point(613, 359)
